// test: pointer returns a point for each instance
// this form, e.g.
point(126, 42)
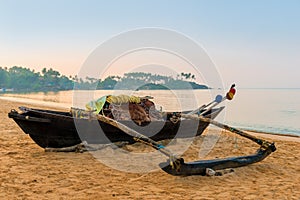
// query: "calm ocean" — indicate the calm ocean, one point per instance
point(266, 110)
point(269, 110)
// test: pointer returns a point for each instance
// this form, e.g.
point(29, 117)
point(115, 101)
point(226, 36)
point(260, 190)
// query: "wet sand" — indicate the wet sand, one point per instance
point(28, 172)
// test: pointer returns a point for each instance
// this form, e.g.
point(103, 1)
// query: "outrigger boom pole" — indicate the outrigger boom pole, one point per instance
point(176, 164)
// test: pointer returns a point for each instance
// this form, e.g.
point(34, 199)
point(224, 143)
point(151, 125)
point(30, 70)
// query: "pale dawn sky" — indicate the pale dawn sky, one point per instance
point(255, 44)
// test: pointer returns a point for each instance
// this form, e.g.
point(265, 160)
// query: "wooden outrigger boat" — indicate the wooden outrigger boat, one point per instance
point(60, 129)
point(56, 129)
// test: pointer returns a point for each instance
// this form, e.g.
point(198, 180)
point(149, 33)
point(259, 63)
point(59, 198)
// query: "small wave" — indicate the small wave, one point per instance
point(289, 112)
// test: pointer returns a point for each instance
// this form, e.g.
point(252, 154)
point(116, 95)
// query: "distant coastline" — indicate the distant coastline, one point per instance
point(24, 80)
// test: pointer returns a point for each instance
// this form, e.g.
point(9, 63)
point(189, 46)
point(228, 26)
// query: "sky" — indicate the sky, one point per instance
point(255, 44)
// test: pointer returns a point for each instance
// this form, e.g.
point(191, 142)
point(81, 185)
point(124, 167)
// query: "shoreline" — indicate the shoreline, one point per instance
point(36, 102)
point(275, 136)
point(271, 133)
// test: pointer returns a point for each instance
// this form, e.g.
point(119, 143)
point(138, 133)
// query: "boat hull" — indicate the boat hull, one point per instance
point(59, 129)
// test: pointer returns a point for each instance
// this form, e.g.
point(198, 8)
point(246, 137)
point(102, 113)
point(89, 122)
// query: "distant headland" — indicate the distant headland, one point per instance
point(20, 79)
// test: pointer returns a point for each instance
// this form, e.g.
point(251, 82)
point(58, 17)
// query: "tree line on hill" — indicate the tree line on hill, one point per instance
point(27, 80)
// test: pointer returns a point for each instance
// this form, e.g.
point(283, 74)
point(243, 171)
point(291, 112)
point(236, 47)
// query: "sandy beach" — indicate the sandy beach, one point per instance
point(28, 172)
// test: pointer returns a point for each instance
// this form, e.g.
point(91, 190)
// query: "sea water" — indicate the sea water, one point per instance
point(267, 110)
point(264, 110)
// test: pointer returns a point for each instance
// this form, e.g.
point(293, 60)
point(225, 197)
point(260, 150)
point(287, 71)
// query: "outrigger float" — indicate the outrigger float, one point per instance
point(38, 124)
